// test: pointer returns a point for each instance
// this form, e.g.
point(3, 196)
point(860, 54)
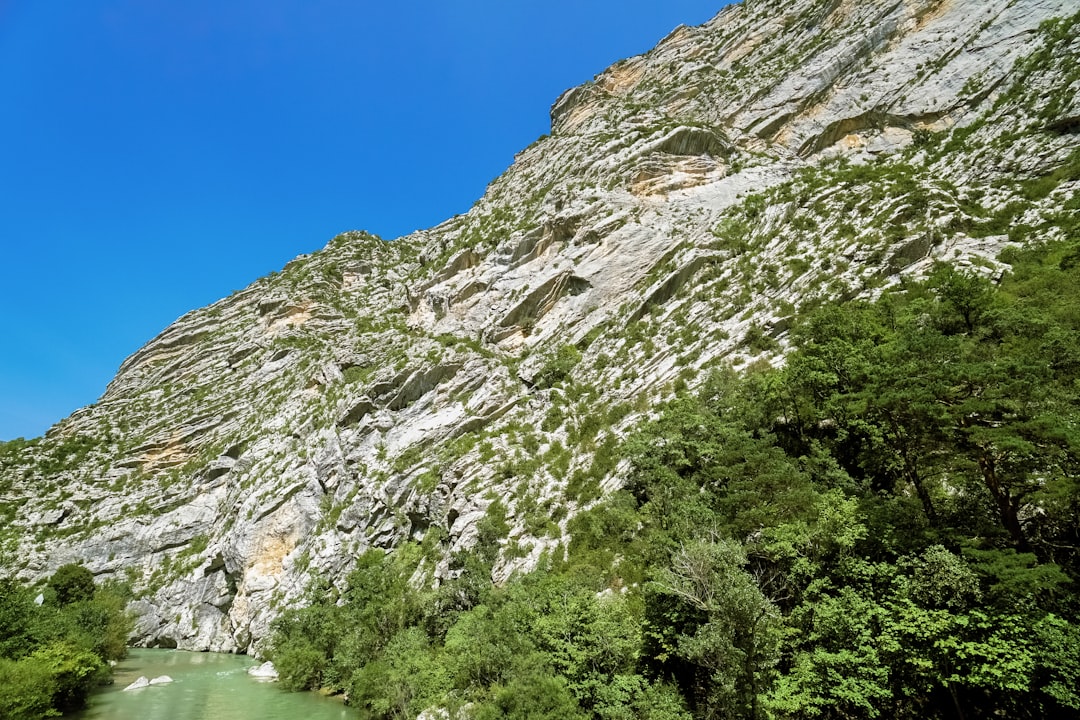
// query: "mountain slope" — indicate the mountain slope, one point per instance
point(688, 204)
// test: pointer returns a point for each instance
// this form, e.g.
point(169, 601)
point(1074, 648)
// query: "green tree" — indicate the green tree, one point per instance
point(487, 646)
point(406, 679)
point(18, 620)
point(857, 383)
point(707, 463)
point(303, 643)
point(536, 695)
point(586, 640)
point(74, 672)
point(735, 642)
point(836, 667)
point(72, 583)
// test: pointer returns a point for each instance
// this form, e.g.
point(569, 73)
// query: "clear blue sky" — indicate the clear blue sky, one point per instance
point(157, 154)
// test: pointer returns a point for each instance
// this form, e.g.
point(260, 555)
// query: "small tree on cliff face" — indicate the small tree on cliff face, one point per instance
point(72, 583)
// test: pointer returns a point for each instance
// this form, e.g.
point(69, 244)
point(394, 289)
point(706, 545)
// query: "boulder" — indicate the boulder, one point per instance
point(266, 671)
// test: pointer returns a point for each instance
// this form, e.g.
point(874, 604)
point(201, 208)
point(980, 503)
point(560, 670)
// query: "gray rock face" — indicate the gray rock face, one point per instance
point(687, 204)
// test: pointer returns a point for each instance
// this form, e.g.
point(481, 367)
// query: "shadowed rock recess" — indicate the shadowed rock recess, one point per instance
point(686, 205)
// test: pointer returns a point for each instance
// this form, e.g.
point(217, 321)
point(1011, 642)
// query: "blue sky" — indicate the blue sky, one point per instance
point(157, 155)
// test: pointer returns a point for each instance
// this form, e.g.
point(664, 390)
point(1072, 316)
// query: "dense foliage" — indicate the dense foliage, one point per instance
point(54, 653)
point(888, 526)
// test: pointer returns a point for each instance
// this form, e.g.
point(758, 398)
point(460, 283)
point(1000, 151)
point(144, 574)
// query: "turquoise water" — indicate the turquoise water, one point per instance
point(206, 686)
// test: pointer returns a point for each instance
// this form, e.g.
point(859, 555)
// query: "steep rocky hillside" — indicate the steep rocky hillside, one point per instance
point(687, 205)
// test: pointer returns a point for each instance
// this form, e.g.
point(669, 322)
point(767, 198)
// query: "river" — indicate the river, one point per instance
point(206, 686)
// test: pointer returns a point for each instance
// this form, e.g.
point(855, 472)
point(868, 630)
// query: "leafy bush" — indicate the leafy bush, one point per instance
point(559, 367)
point(53, 655)
point(26, 690)
point(72, 583)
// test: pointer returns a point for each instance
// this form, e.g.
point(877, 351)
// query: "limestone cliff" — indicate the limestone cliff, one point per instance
point(687, 205)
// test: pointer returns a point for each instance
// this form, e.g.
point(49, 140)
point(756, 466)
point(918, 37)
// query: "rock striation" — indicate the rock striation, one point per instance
point(688, 204)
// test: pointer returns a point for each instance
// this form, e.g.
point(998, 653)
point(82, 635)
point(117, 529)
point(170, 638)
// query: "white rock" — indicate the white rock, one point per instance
point(161, 680)
point(140, 683)
point(266, 671)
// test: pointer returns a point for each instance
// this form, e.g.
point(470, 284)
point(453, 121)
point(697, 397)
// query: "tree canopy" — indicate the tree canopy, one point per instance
point(887, 526)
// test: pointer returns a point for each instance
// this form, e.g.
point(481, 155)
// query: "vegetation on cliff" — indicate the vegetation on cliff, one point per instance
point(886, 527)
